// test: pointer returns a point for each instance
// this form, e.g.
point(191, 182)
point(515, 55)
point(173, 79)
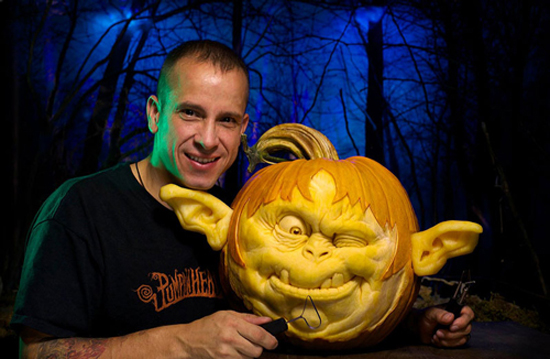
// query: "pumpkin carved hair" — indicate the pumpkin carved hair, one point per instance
point(377, 188)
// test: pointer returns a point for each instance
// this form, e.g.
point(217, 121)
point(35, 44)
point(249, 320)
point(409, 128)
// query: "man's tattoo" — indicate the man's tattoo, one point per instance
point(72, 348)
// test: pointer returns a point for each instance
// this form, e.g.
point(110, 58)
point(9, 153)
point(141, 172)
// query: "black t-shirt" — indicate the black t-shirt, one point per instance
point(104, 258)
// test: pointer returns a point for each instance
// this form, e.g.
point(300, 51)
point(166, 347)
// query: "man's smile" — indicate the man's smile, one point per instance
point(202, 160)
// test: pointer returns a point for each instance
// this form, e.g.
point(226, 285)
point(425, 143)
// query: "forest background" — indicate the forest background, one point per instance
point(452, 96)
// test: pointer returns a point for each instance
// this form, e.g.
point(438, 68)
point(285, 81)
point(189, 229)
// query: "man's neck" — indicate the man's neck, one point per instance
point(151, 178)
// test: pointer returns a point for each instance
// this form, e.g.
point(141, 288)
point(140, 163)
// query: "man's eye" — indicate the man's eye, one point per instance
point(228, 120)
point(187, 114)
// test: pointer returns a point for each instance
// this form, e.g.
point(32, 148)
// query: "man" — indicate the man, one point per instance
point(109, 272)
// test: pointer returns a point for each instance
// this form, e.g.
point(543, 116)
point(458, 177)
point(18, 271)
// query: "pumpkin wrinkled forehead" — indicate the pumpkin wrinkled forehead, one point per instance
point(363, 181)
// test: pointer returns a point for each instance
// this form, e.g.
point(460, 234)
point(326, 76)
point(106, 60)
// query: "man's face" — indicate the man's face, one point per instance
point(198, 124)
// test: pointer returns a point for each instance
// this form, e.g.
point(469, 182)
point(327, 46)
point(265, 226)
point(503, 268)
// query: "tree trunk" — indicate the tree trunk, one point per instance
point(374, 124)
point(456, 138)
point(118, 123)
point(104, 104)
point(231, 179)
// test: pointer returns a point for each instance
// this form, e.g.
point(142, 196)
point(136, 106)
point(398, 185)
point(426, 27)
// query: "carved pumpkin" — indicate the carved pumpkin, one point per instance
point(341, 231)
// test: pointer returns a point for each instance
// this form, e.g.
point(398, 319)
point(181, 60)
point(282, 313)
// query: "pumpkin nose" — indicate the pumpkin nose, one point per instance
point(317, 248)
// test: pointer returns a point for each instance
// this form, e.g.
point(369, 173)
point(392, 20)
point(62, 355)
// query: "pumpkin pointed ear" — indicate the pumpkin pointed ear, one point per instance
point(431, 248)
point(199, 212)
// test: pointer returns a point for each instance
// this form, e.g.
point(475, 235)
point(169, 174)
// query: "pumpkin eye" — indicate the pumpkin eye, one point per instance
point(293, 225)
point(349, 241)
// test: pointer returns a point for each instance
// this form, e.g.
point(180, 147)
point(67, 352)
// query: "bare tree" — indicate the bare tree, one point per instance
point(449, 100)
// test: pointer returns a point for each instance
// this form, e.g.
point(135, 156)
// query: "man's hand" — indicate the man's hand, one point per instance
point(227, 334)
point(224, 334)
point(457, 330)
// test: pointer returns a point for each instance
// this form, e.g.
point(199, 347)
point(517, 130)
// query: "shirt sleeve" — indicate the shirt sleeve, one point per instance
point(60, 288)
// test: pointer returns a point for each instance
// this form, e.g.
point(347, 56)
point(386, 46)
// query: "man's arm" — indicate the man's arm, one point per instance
point(224, 334)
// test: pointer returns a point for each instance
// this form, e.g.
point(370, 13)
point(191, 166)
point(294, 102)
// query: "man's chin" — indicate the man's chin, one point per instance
point(198, 187)
point(199, 183)
point(199, 177)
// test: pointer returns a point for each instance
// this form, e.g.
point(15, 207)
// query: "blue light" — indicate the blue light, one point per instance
point(105, 20)
point(369, 15)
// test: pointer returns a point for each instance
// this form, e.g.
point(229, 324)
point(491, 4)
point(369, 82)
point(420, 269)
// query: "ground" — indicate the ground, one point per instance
point(493, 309)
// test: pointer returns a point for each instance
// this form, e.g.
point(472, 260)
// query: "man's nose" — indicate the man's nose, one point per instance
point(207, 135)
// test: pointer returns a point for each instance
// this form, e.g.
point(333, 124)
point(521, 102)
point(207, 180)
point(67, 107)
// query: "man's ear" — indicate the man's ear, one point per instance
point(199, 212)
point(153, 113)
point(244, 125)
point(431, 248)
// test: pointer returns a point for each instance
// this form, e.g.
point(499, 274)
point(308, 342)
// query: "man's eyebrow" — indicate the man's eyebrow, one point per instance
point(189, 105)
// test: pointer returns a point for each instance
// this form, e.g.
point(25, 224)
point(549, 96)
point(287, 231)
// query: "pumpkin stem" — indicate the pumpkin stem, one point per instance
point(297, 140)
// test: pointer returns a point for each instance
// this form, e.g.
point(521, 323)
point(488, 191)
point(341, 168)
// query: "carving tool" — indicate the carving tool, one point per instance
point(281, 325)
point(456, 303)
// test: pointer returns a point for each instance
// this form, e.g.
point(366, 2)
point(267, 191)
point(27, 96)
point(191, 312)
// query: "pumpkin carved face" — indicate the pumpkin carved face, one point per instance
point(341, 231)
point(322, 238)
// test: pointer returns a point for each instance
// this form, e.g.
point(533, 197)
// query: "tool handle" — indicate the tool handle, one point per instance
point(275, 327)
point(454, 307)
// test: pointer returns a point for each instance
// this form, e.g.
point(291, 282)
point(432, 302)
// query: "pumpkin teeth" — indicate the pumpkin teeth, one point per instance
point(284, 276)
point(332, 293)
point(337, 280)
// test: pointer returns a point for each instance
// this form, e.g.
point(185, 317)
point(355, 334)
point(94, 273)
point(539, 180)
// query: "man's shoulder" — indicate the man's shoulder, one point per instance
point(76, 190)
point(112, 174)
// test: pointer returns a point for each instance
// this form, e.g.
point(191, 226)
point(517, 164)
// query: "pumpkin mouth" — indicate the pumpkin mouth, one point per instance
point(332, 288)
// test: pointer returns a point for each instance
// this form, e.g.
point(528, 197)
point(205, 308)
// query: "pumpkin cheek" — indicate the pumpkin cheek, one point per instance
point(371, 262)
